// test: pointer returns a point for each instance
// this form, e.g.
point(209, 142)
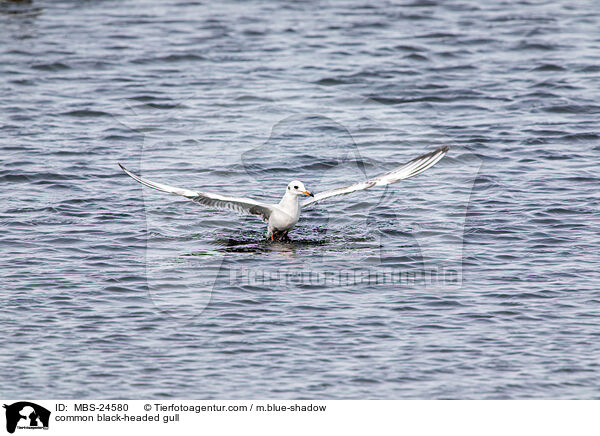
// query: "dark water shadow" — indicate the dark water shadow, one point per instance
point(260, 245)
point(20, 8)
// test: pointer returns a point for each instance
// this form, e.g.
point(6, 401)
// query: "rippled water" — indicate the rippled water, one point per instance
point(111, 291)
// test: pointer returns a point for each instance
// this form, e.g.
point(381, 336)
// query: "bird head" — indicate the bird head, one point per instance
point(296, 187)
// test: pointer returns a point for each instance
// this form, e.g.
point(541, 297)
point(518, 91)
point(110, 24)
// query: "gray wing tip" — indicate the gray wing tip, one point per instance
point(440, 150)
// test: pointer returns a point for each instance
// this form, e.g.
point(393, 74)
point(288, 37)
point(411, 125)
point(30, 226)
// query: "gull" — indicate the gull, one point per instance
point(283, 216)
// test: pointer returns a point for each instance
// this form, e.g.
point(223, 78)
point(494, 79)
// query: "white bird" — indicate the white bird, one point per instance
point(282, 217)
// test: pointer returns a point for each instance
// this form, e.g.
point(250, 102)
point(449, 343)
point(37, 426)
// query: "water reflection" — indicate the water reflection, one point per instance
point(252, 245)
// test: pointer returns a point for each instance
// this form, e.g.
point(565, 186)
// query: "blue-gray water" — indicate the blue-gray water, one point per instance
point(105, 287)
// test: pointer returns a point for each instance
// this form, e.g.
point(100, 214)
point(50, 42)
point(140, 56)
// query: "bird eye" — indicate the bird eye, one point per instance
point(295, 187)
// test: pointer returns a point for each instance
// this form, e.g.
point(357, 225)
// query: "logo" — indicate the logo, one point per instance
point(26, 415)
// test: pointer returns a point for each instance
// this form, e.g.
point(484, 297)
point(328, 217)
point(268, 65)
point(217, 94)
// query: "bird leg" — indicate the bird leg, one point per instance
point(275, 235)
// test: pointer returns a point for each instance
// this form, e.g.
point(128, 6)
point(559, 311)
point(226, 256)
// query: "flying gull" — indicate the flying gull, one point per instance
point(282, 217)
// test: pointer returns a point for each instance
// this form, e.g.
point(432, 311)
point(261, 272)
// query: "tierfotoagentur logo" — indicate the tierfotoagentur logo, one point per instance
point(24, 415)
point(395, 236)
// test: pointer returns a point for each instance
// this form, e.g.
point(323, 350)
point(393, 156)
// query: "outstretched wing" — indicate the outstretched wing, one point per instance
point(409, 169)
point(237, 204)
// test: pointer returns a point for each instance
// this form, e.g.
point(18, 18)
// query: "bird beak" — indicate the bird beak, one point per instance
point(308, 193)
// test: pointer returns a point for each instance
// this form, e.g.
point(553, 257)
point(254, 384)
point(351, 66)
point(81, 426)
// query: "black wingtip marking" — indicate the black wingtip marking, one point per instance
point(122, 167)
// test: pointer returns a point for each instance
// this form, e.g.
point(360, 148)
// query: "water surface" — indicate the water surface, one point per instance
point(110, 291)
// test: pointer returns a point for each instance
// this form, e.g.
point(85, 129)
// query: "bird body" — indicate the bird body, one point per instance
point(285, 215)
point(282, 217)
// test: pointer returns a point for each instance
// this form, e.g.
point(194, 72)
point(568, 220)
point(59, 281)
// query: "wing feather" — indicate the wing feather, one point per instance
point(217, 201)
point(409, 169)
